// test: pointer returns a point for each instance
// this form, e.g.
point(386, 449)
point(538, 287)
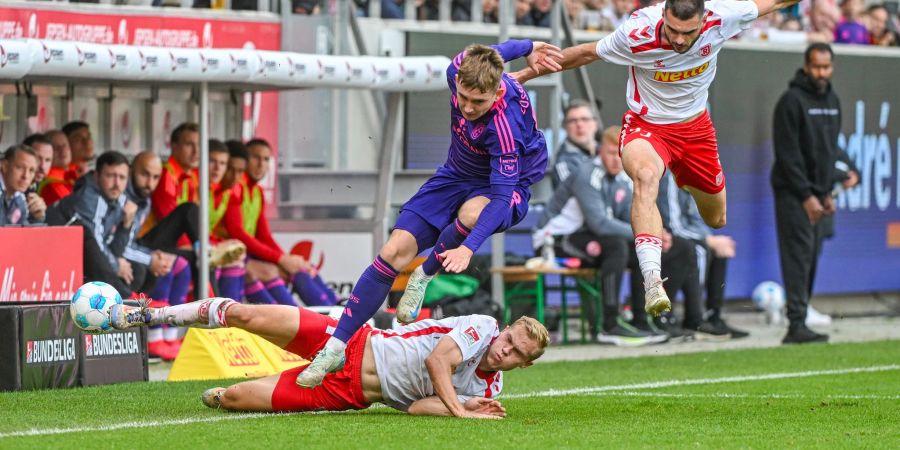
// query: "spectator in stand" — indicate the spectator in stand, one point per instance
point(616, 12)
point(823, 18)
point(490, 11)
point(81, 144)
point(44, 151)
point(601, 193)
point(56, 185)
point(881, 28)
point(17, 171)
point(245, 220)
point(98, 204)
point(575, 8)
point(540, 13)
point(523, 12)
point(580, 146)
point(851, 30)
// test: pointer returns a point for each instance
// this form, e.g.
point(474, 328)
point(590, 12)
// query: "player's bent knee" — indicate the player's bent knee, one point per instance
point(716, 221)
point(232, 398)
point(646, 180)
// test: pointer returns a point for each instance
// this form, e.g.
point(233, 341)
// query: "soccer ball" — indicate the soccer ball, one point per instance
point(768, 296)
point(90, 306)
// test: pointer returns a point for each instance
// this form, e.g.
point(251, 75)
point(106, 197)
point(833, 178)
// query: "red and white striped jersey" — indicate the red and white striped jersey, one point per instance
point(400, 359)
point(665, 86)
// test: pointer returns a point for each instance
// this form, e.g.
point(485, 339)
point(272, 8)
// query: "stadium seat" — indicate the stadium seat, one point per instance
point(526, 286)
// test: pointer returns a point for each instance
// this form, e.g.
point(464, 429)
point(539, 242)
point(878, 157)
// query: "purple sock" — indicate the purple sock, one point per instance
point(181, 281)
point(163, 287)
point(280, 292)
point(257, 293)
point(231, 282)
point(313, 290)
point(451, 237)
point(368, 295)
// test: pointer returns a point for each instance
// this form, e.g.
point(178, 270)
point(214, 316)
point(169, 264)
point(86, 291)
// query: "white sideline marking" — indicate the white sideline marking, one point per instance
point(752, 396)
point(662, 384)
point(597, 390)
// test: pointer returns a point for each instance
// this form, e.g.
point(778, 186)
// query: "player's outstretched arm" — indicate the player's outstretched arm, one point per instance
point(571, 58)
point(767, 6)
point(440, 364)
point(433, 406)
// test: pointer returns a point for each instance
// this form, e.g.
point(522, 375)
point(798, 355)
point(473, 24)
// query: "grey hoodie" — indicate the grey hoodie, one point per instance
point(100, 217)
point(604, 201)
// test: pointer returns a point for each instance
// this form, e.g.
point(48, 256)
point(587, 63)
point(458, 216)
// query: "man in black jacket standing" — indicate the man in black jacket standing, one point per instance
point(805, 131)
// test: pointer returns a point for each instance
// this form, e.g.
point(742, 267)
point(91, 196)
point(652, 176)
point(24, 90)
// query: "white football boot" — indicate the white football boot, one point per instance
point(212, 398)
point(411, 303)
point(656, 301)
point(326, 361)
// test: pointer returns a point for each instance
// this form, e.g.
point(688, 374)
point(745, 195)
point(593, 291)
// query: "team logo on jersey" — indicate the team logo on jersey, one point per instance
point(471, 336)
point(476, 132)
point(720, 178)
point(659, 64)
point(668, 77)
point(705, 50)
point(509, 165)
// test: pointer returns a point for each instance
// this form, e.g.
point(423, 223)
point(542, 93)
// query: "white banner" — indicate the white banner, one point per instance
point(340, 257)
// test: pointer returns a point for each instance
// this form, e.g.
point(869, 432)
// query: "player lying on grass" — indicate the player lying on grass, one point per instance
point(442, 367)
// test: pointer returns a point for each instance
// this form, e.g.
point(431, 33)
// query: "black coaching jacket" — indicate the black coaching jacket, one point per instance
point(805, 133)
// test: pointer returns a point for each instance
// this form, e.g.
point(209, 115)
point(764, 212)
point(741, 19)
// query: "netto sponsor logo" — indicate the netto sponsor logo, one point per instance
point(115, 344)
point(668, 77)
point(50, 350)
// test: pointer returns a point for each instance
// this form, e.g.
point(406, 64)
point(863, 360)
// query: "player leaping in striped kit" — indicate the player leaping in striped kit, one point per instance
point(496, 153)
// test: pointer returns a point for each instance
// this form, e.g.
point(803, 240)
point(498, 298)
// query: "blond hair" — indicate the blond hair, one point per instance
point(481, 68)
point(536, 331)
point(611, 134)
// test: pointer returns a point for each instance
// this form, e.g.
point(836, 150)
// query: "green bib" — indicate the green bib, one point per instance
point(217, 213)
point(251, 208)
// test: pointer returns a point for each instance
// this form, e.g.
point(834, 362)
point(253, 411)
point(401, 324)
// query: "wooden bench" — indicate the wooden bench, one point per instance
point(518, 290)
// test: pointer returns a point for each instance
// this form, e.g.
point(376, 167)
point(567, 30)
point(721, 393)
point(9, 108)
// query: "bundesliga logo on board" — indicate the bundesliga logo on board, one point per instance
point(50, 351)
point(117, 344)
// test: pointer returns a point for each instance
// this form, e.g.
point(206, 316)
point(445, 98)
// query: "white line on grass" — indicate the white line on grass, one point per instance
point(597, 390)
point(751, 396)
point(669, 383)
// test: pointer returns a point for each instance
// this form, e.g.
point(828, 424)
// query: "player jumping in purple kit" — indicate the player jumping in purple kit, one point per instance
point(496, 153)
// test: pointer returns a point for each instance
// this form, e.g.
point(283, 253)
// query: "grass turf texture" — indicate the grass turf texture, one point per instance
point(849, 410)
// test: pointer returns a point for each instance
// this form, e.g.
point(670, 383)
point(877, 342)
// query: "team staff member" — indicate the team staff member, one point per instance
point(805, 130)
point(55, 185)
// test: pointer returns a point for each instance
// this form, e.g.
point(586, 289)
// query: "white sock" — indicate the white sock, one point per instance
point(649, 253)
point(172, 333)
point(179, 315)
point(217, 308)
point(336, 345)
point(154, 334)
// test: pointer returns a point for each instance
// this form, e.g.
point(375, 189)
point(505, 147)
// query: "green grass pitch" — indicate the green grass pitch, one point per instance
point(818, 396)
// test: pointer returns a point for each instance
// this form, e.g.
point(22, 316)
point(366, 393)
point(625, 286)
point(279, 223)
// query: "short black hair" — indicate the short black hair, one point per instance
point(74, 126)
point(237, 149)
point(37, 138)
point(816, 47)
point(181, 129)
point(12, 150)
point(258, 141)
point(685, 9)
point(110, 158)
point(217, 146)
